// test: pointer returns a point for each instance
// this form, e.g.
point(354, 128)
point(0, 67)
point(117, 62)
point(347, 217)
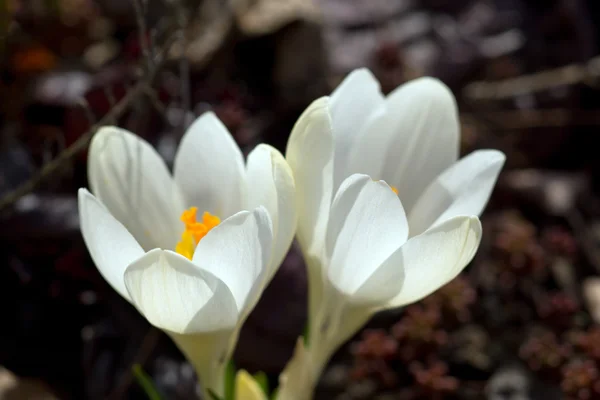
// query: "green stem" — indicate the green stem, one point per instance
point(335, 323)
point(208, 354)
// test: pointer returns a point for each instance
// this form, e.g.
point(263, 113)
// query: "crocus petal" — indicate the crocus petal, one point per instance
point(367, 156)
point(270, 183)
point(424, 139)
point(177, 296)
point(133, 182)
point(246, 387)
point(111, 246)
point(437, 256)
point(462, 189)
point(209, 168)
point(367, 225)
point(237, 251)
point(310, 156)
point(353, 101)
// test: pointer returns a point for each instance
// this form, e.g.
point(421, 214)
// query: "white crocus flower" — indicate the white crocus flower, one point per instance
point(387, 213)
point(196, 280)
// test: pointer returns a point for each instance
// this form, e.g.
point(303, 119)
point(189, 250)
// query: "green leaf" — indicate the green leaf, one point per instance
point(274, 394)
point(263, 381)
point(145, 382)
point(213, 395)
point(305, 334)
point(230, 381)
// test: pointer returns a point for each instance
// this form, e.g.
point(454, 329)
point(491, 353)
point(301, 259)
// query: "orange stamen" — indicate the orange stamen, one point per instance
point(194, 231)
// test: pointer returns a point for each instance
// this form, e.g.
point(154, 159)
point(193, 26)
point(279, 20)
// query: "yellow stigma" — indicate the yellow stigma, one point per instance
point(394, 189)
point(194, 230)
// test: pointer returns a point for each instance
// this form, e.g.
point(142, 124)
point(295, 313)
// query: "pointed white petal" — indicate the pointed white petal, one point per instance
point(238, 251)
point(177, 296)
point(462, 189)
point(310, 156)
point(111, 246)
point(367, 225)
point(368, 154)
point(133, 182)
point(425, 137)
point(437, 256)
point(270, 183)
point(383, 284)
point(353, 101)
point(209, 168)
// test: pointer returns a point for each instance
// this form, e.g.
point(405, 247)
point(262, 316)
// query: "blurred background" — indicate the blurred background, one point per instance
point(522, 322)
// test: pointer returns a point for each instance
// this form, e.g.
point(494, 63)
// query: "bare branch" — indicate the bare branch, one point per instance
point(184, 79)
point(587, 73)
point(80, 144)
point(142, 32)
point(524, 119)
point(155, 101)
point(82, 102)
point(132, 94)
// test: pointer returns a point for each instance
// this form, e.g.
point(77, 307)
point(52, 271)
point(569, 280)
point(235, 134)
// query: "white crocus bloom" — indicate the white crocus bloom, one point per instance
point(387, 213)
point(195, 279)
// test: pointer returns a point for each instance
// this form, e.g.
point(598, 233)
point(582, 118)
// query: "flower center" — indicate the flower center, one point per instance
point(394, 189)
point(194, 231)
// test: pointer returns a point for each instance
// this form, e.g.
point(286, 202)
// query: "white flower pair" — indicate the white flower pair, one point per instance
point(386, 215)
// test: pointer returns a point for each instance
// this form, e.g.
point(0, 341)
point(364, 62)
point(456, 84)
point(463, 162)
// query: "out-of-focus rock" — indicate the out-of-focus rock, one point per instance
point(216, 20)
point(261, 17)
point(591, 296)
point(38, 215)
point(556, 191)
point(15, 388)
point(16, 165)
point(510, 383)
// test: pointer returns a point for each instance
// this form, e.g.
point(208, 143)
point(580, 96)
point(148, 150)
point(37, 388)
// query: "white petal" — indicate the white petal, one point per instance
point(425, 138)
point(462, 189)
point(310, 156)
point(270, 183)
point(367, 156)
point(354, 100)
point(133, 182)
point(177, 296)
point(367, 225)
point(437, 256)
point(111, 246)
point(237, 251)
point(383, 284)
point(209, 168)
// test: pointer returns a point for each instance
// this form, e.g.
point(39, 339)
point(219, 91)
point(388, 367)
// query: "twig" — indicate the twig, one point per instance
point(142, 32)
point(154, 100)
point(522, 119)
point(110, 96)
point(82, 102)
point(526, 84)
point(54, 165)
point(184, 67)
